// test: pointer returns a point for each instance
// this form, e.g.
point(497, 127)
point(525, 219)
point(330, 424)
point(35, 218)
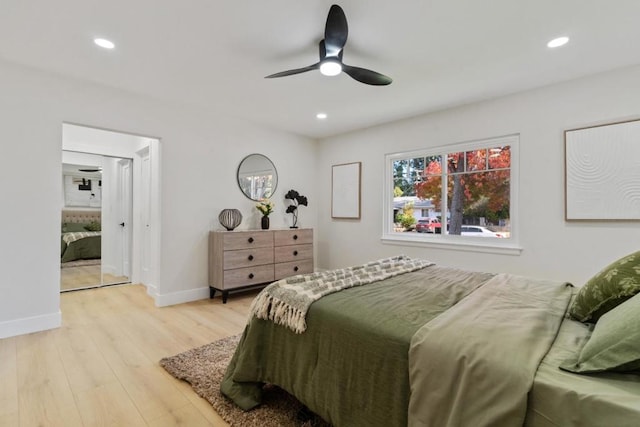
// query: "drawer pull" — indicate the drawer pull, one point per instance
point(250, 275)
point(295, 253)
point(250, 240)
point(295, 268)
point(250, 257)
point(295, 237)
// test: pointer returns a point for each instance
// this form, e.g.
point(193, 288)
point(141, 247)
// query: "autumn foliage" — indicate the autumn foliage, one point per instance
point(478, 184)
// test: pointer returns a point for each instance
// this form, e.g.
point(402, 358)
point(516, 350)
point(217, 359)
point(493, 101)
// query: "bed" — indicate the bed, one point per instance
point(81, 235)
point(432, 346)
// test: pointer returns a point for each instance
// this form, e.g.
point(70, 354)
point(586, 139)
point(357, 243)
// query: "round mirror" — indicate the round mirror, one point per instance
point(257, 177)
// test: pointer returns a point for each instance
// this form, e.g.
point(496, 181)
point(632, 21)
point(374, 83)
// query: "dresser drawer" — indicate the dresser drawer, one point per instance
point(293, 237)
point(255, 258)
point(293, 253)
point(287, 269)
point(247, 240)
point(248, 276)
point(247, 258)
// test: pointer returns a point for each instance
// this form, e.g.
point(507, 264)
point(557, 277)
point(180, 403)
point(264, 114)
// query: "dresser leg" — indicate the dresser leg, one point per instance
point(212, 292)
point(225, 294)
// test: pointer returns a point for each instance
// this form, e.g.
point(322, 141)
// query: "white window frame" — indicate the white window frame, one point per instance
point(508, 246)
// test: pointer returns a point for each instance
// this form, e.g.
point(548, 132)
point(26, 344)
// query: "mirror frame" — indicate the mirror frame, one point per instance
point(274, 178)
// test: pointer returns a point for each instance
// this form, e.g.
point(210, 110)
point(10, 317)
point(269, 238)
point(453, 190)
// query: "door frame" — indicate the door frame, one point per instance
point(139, 143)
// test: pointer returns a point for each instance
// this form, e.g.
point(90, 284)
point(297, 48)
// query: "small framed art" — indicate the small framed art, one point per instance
point(345, 190)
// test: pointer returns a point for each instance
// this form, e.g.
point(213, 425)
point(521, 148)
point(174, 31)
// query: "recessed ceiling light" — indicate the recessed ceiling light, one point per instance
point(107, 44)
point(321, 116)
point(560, 41)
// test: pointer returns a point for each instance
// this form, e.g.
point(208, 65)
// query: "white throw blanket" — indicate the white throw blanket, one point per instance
point(77, 235)
point(287, 301)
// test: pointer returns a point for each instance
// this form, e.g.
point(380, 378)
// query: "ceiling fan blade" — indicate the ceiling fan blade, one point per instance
point(335, 31)
point(295, 71)
point(323, 50)
point(366, 76)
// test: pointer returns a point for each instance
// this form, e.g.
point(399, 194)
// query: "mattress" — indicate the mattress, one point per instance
point(564, 399)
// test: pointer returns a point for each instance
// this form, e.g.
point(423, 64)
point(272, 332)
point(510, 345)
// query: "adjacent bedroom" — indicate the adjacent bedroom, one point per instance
point(83, 240)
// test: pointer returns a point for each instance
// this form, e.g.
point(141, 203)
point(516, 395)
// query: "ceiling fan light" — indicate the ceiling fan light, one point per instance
point(330, 68)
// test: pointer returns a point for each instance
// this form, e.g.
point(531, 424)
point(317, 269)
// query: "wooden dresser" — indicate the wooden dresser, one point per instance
point(243, 259)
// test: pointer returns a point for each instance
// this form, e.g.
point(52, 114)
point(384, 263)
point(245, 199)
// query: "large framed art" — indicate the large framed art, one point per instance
point(602, 172)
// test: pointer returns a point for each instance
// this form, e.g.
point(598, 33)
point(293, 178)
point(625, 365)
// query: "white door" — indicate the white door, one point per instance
point(116, 220)
point(125, 216)
point(145, 218)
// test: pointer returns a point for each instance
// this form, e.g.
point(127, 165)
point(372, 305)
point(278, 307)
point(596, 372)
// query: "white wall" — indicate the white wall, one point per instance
point(553, 248)
point(91, 140)
point(72, 197)
point(200, 154)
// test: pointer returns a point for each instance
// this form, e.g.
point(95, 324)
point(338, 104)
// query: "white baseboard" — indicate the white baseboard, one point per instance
point(27, 325)
point(180, 297)
point(152, 291)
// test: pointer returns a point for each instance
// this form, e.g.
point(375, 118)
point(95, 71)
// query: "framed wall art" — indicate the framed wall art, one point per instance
point(345, 191)
point(602, 172)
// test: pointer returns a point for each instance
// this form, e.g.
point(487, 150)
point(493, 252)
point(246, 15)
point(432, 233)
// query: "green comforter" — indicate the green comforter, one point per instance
point(89, 247)
point(408, 350)
point(350, 366)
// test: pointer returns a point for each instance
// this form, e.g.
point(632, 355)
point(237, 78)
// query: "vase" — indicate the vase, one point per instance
point(230, 218)
point(264, 222)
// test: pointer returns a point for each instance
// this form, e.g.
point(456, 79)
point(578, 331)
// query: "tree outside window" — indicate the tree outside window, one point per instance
point(477, 190)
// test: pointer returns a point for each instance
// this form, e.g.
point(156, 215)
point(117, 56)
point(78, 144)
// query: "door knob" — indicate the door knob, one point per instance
point(122, 224)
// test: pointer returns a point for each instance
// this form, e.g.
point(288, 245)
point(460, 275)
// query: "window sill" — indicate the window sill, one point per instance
point(456, 243)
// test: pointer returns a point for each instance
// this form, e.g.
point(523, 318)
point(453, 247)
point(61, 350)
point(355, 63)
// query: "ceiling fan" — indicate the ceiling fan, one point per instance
point(331, 49)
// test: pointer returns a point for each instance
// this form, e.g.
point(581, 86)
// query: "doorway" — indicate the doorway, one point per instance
point(100, 170)
point(96, 196)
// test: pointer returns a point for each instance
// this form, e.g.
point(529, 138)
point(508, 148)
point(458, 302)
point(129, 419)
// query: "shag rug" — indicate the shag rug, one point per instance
point(204, 367)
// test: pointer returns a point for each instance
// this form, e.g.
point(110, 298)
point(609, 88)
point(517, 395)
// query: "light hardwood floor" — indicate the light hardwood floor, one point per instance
point(101, 367)
point(86, 276)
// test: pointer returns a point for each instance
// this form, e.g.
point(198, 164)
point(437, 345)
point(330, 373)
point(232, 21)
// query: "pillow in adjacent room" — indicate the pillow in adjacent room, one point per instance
point(614, 344)
point(615, 284)
point(93, 226)
point(73, 227)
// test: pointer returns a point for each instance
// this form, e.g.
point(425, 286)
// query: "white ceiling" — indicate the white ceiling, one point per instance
point(214, 53)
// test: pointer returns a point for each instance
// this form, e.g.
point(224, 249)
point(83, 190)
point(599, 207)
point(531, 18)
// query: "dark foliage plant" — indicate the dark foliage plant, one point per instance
point(296, 200)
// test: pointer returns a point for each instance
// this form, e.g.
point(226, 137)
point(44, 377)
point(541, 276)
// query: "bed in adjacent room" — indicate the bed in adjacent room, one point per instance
point(81, 235)
point(406, 342)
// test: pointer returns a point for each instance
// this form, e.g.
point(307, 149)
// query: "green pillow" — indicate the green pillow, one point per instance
point(72, 227)
point(614, 344)
point(606, 290)
point(93, 226)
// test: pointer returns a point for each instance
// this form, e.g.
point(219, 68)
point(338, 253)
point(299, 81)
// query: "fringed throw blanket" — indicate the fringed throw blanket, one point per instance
point(77, 235)
point(286, 301)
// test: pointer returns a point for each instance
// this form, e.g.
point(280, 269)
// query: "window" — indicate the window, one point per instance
point(462, 194)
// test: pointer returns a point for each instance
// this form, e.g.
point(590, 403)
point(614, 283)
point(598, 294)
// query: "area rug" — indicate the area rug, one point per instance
point(80, 263)
point(204, 367)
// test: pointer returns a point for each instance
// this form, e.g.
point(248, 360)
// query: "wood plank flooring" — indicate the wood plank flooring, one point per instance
point(86, 276)
point(101, 367)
